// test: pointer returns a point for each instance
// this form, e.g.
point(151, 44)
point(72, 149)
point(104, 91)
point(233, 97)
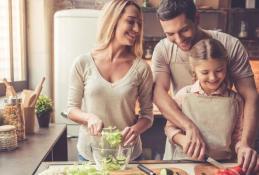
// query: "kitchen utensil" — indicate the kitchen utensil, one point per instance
point(9, 89)
point(37, 92)
point(111, 159)
point(215, 163)
point(132, 170)
point(32, 100)
point(146, 169)
point(26, 94)
point(202, 169)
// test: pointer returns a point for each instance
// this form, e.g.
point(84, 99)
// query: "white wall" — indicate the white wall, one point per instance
point(39, 41)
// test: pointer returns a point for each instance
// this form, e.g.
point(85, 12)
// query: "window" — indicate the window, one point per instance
point(12, 44)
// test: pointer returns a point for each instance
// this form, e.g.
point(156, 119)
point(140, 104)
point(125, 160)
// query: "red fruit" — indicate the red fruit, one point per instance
point(226, 173)
point(223, 172)
point(238, 170)
point(232, 172)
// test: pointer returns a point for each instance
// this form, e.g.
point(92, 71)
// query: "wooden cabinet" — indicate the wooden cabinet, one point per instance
point(213, 19)
point(228, 20)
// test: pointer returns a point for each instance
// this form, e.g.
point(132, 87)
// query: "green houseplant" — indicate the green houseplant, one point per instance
point(43, 109)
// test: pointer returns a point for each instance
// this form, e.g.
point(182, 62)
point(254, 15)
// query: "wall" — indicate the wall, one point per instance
point(39, 29)
point(40, 37)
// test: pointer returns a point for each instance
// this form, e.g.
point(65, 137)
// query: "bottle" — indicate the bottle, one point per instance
point(243, 30)
point(145, 3)
point(148, 54)
point(257, 32)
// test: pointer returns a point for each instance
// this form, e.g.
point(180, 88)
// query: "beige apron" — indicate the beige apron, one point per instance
point(215, 117)
point(181, 73)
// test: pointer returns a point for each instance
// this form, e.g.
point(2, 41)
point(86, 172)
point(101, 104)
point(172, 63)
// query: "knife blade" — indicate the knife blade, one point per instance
point(215, 163)
point(146, 169)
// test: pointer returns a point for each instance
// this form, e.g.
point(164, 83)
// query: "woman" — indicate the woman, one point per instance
point(111, 79)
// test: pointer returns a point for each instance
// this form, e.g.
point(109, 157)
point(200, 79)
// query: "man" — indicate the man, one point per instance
point(170, 63)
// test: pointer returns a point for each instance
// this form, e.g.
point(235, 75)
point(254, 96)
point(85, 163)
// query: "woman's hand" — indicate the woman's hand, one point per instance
point(129, 135)
point(94, 125)
point(247, 159)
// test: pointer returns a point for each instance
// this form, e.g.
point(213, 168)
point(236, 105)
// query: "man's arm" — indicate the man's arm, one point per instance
point(247, 156)
point(247, 89)
point(166, 104)
point(172, 112)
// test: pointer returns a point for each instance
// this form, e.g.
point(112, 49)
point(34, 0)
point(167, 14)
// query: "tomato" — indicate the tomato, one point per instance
point(232, 172)
point(238, 170)
point(223, 172)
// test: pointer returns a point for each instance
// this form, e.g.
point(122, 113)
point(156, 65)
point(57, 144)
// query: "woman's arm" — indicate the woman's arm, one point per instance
point(77, 80)
point(146, 117)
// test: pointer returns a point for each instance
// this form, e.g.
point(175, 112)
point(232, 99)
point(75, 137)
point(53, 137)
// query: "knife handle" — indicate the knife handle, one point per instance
point(146, 169)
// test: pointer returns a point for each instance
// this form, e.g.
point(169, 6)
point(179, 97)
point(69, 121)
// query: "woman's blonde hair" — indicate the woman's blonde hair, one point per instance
point(207, 49)
point(111, 13)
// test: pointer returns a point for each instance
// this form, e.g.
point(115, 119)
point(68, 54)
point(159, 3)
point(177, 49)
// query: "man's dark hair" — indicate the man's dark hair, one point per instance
point(169, 9)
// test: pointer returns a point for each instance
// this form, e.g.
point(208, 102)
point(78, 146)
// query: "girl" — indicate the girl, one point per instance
point(111, 79)
point(214, 108)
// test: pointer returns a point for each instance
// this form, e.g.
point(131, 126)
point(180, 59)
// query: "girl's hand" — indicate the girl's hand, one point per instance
point(94, 125)
point(247, 159)
point(129, 136)
point(194, 148)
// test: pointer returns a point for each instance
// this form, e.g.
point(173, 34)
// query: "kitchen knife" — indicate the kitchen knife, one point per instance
point(214, 162)
point(146, 169)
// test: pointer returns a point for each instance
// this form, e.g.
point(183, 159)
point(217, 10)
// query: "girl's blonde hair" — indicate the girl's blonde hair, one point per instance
point(207, 49)
point(111, 13)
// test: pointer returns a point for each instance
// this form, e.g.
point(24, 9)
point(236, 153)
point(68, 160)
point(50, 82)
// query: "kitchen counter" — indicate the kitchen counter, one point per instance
point(187, 166)
point(46, 144)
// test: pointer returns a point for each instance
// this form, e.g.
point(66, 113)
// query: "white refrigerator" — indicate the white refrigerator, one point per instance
point(74, 34)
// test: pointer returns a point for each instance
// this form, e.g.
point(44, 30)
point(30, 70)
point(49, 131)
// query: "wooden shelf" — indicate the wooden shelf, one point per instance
point(212, 10)
point(148, 9)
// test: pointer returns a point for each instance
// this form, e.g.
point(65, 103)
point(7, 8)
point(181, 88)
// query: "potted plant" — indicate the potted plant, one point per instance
point(43, 109)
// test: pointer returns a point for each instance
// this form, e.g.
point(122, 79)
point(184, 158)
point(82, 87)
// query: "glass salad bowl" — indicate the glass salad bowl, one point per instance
point(111, 159)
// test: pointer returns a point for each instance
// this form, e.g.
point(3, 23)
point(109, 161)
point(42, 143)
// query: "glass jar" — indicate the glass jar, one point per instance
point(243, 30)
point(12, 115)
point(8, 138)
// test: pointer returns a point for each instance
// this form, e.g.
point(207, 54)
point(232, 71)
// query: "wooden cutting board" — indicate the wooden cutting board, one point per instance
point(208, 170)
point(136, 171)
point(205, 170)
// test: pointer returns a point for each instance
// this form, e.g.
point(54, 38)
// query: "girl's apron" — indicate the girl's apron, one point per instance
point(215, 117)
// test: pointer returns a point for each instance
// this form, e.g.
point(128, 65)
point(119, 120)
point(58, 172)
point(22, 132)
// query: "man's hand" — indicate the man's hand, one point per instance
point(194, 145)
point(94, 125)
point(247, 159)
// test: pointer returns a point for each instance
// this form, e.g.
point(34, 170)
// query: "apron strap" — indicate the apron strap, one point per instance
point(173, 59)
